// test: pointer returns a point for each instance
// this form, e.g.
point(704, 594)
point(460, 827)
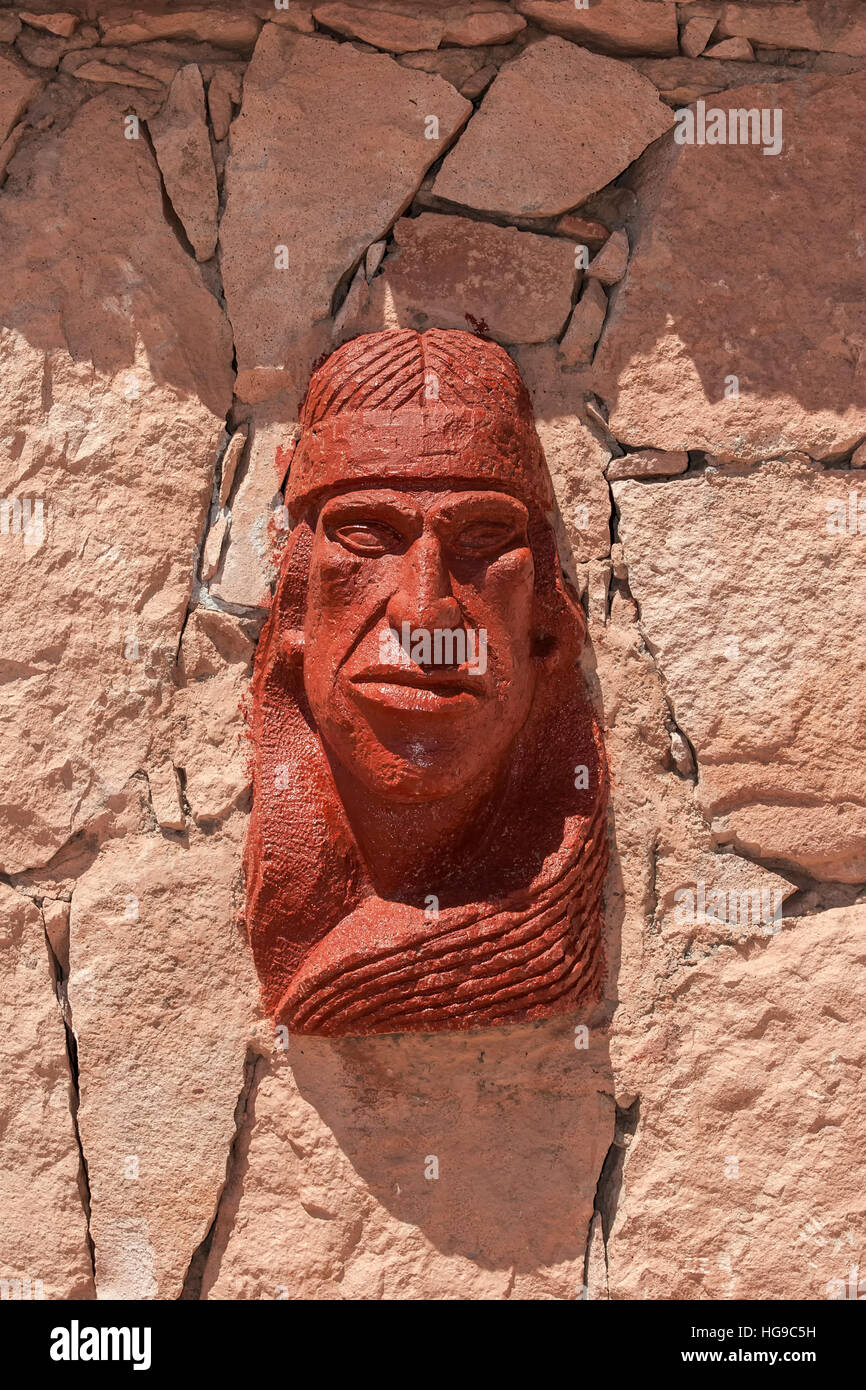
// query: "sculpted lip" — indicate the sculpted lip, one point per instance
point(414, 689)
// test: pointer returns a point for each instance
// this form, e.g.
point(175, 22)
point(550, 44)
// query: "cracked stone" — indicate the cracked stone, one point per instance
point(328, 149)
point(584, 329)
point(211, 26)
point(611, 263)
point(647, 463)
point(450, 272)
point(617, 26)
point(330, 1199)
point(696, 34)
point(382, 28)
point(116, 387)
point(777, 372)
point(180, 137)
point(761, 658)
point(521, 155)
point(752, 1071)
point(154, 948)
point(43, 1234)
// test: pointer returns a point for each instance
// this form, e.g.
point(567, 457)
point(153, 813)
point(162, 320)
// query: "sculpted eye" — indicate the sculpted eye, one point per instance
point(485, 538)
point(367, 537)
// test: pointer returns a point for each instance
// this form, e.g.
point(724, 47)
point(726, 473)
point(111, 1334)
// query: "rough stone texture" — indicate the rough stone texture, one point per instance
point(64, 25)
point(522, 156)
point(697, 260)
point(449, 272)
point(397, 33)
point(647, 463)
point(695, 35)
point(329, 1198)
point(584, 329)
point(744, 1178)
point(17, 90)
point(327, 151)
point(760, 658)
point(575, 457)
point(182, 144)
point(732, 49)
point(613, 26)
point(840, 28)
point(211, 26)
point(223, 94)
point(43, 1231)
point(248, 565)
point(483, 26)
point(682, 80)
point(95, 71)
point(117, 376)
point(10, 28)
point(609, 266)
point(154, 947)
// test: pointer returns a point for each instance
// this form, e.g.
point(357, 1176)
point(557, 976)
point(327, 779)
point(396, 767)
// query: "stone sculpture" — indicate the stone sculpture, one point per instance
point(427, 844)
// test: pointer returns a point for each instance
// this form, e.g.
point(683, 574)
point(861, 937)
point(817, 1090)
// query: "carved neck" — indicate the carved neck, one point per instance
point(414, 849)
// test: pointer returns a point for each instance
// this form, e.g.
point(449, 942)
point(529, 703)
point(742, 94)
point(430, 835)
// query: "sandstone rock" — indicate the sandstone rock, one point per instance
point(223, 94)
point(449, 272)
point(522, 156)
point(182, 144)
point(10, 28)
point(575, 458)
point(154, 948)
point(231, 459)
point(55, 917)
point(373, 258)
point(456, 65)
point(671, 385)
point(257, 514)
point(227, 30)
point(43, 1234)
point(748, 1147)
point(213, 548)
point(165, 795)
point(408, 1193)
point(841, 29)
point(208, 735)
point(587, 321)
point(328, 150)
point(298, 16)
point(695, 35)
point(116, 364)
point(647, 463)
point(95, 71)
point(613, 26)
point(397, 33)
point(17, 90)
point(64, 25)
point(611, 263)
point(760, 658)
point(483, 26)
point(584, 230)
point(858, 458)
point(732, 48)
point(683, 80)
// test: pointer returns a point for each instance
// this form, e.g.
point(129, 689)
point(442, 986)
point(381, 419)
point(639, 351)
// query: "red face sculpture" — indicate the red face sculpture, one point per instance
point(427, 844)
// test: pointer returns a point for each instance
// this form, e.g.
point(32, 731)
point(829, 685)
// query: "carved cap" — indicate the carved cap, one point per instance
point(395, 406)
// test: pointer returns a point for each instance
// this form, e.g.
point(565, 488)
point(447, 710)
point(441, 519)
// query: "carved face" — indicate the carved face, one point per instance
point(418, 635)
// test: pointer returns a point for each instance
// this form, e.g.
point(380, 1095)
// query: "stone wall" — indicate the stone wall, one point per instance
point(196, 205)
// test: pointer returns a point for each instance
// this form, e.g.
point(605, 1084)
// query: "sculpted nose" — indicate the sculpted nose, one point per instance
point(424, 598)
